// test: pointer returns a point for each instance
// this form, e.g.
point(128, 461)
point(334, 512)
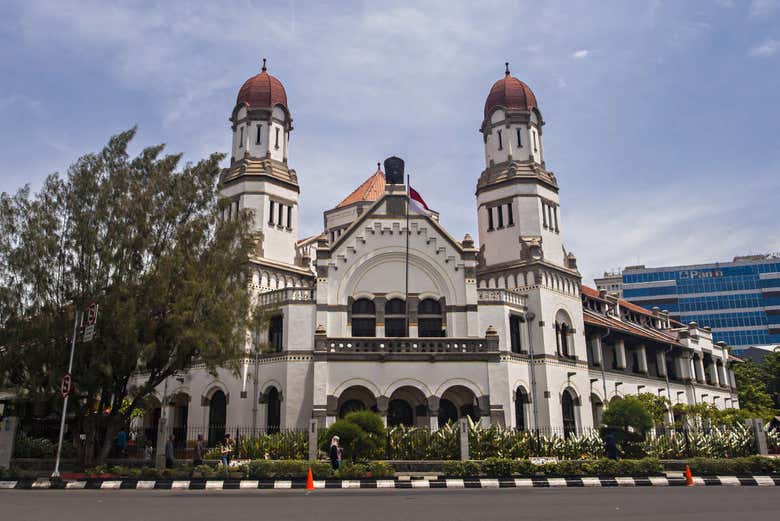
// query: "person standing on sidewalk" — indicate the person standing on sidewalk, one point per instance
point(198, 456)
point(169, 455)
point(335, 453)
point(226, 450)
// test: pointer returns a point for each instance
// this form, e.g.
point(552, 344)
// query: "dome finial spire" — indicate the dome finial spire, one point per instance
point(264, 67)
point(506, 72)
point(378, 166)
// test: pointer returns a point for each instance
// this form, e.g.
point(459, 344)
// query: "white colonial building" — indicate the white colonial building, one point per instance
point(385, 310)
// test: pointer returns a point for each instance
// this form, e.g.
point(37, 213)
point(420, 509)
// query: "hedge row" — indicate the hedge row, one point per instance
point(733, 466)
point(501, 467)
point(289, 469)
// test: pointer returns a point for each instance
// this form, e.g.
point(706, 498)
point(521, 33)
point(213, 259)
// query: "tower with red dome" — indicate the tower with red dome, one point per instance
point(259, 177)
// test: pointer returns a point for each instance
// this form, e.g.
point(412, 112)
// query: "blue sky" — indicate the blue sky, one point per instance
point(662, 117)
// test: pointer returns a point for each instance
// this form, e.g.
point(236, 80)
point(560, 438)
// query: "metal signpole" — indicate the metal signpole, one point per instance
point(56, 473)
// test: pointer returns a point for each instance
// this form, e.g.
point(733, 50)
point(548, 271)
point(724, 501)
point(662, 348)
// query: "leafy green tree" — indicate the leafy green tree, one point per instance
point(771, 366)
point(752, 390)
point(657, 406)
point(144, 238)
point(628, 413)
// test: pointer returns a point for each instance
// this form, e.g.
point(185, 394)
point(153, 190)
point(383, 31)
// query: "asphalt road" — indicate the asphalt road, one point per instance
point(674, 504)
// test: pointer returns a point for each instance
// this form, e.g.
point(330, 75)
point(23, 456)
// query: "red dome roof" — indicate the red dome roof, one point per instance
point(511, 94)
point(262, 91)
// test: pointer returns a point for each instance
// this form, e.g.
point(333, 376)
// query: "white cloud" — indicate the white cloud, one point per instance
point(769, 48)
point(582, 53)
point(763, 8)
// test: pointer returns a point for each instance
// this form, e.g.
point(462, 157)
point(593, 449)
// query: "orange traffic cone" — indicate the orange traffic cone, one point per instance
point(688, 476)
point(309, 481)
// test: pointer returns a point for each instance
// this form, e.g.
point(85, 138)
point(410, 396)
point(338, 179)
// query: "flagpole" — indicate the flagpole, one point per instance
point(406, 302)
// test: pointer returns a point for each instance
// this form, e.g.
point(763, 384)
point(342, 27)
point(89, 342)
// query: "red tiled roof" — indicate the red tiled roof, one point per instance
point(596, 319)
point(371, 189)
point(510, 93)
point(262, 91)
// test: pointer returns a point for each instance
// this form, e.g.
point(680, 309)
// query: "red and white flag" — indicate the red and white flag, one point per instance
point(417, 204)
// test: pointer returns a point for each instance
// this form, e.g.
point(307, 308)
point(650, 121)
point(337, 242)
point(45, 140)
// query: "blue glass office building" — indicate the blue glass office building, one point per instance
point(739, 300)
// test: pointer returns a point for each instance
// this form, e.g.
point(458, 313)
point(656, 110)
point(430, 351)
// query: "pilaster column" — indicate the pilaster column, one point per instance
point(660, 362)
point(699, 369)
point(433, 412)
point(382, 406)
point(620, 354)
point(714, 374)
point(595, 348)
point(642, 352)
point(722, 376)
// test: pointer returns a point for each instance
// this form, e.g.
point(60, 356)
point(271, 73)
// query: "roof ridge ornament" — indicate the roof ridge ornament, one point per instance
point(264, 68)
point(506, 71)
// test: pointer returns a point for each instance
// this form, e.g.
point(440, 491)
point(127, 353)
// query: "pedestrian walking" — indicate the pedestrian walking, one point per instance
point(198, 457)
point(226, 450)
point(169, 452)
point(610, 447)
point(335, 453)
point(148, 452)
point(121, 443)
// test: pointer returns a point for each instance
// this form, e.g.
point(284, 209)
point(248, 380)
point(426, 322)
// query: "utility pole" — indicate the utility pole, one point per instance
point(257, 382)
point(56, 473)
point(162, 425)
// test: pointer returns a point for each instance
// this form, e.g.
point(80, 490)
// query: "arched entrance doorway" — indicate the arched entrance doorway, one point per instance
point(407, 406)
point(597, 408)
point(217, 417)
point(355, 398)
point(458, 402)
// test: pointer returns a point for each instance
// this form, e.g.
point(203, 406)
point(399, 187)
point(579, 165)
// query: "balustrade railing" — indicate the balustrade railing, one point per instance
point(407, 345)
point(279, 296)
point(501, 295)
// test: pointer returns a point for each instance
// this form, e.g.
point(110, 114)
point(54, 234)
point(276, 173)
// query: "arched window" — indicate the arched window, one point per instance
point(274, 410)
point(500, 141)
point(569, 417)
point(429, 322)
point(363, 318)
point(395, 318)
point(217, 417)
point(562, 334)
point(521, 401)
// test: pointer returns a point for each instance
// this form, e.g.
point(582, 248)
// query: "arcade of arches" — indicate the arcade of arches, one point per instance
point(409, 406)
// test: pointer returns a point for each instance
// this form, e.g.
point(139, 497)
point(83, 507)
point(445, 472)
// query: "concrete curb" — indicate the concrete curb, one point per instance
point(235, 484)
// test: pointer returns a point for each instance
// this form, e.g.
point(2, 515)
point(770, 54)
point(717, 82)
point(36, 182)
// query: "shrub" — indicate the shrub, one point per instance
point(362, 436)
point(748, 465)
point(380, 469)
point(288, 469)
point(497, 467)
point(28, 447)
point(352, 471)
point(452, 468)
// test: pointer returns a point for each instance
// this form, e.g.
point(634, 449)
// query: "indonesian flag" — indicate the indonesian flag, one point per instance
point(417, 204)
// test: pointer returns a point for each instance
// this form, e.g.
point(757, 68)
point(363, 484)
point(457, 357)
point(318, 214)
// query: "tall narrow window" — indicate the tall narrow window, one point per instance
point(490, 219)
point(550, 216)
point(276, 333)
point(535, 145)
point(277, 137)
point(500, 210)
point(271, 214)
point(240, 137)
point(519, 138)
point(259, 128)
point(555, 214)
point(544, 214)
point(509, 217)
point(363, 318)
point(289, 217)
point(429, 322)
point(395, 318)
point(281, 214)
point(500, 141)
point(514, 334)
